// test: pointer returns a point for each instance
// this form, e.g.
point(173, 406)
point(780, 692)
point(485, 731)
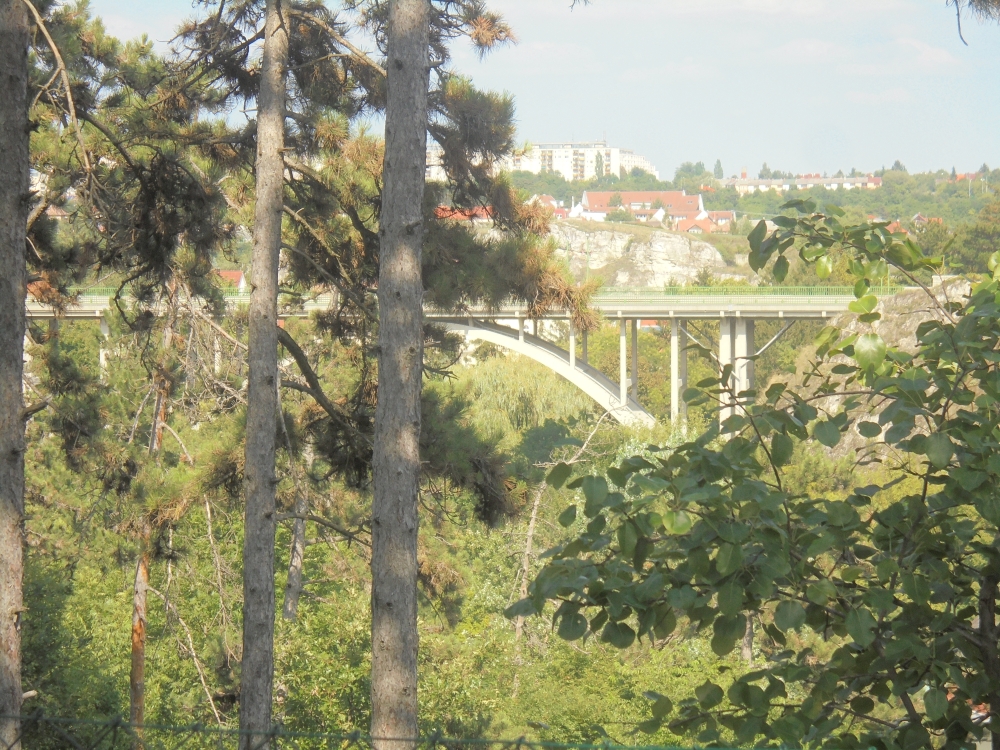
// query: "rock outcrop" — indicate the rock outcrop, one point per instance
point(645, 258)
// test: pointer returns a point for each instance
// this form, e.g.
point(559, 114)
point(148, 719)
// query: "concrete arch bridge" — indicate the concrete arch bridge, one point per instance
point(736, 308)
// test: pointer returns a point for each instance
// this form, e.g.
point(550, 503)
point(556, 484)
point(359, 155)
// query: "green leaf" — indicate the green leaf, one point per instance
point(757, 235)
point(723, 643)
point(869, 429)
point(618, 634)
point(567, 517)
point(666, 621)
point(824, 267)
point(935, 703)
point(731, 599)
point(869, 351)
point(677, 522)
point(864, 305)
point(789, 616)
point(709, 695)
point(649, 726)
point(661, 704)
point(595, 489)
point(627, 537)
point(521, 608)
point(572, 627)
point(821, 592)
point(827, 433)
point(861, 627)
point(782, 448)
point(618, 476)
point(862, 704)
point(939, 449)
point(728, 559)
point(781, 268)
point(559, 474)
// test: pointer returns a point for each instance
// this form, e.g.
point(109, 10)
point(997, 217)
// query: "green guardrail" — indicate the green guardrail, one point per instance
point(731, 292)
point(628, 293)
point(103, 292)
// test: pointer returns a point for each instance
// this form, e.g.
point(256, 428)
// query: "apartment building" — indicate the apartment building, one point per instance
point(574, 161)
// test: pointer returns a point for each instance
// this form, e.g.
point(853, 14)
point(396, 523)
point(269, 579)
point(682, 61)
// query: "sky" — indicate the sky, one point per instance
point(805, 85)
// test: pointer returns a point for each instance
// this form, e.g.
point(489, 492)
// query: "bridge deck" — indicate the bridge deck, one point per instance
point(667, 302)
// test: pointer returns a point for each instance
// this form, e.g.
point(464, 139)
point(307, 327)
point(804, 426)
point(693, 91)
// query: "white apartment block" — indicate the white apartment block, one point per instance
point(574, 161)
point(578, 161)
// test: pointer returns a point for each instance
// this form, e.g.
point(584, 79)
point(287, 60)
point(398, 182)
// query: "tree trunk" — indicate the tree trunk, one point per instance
point(296, 557)
point(137, 675)
point(396, 460)
point(991, 658)
point(14, 161)
point(257, 673)
point(526, 559)
point(746, 650)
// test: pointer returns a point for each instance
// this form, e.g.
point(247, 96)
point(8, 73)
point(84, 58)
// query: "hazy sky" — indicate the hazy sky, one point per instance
point(806, 85)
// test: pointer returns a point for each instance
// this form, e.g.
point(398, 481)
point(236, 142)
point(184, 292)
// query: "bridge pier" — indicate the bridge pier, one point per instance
point(736, 347)
point(622, 364)
point(727, 333)
point(678, 370)
point(635, 359)
point(743, 349)
point(572, 344)
point(103, 351)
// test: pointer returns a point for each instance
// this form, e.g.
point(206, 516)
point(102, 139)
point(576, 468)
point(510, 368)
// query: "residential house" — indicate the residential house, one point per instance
point(234, 280)
point(558, 208)
point(746, 186)
point(665, 206)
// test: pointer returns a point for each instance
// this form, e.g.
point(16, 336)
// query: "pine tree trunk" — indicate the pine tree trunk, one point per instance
point(137, 675)
point(396, 461)
point(14, 161)
point(990, 635)
point(297, 554)
point(257, 671)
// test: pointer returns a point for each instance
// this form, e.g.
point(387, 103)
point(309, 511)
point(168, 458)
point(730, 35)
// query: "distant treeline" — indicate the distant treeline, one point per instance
point(901, 197)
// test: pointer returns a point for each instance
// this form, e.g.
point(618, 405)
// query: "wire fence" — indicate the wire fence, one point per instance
point(39, 731)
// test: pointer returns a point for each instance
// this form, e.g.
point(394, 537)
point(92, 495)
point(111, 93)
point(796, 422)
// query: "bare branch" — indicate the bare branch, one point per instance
point(29, 411)
point(358, 55)
point(315, 388)
point(180, 442)
point(346, 533)
point(194, 656)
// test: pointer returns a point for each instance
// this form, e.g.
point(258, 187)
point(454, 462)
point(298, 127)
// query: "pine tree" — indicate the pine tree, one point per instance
point(396, 462)
point(262, 394)
point(14, 164)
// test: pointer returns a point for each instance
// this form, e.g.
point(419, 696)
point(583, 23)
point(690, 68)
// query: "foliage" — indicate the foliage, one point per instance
point(619, 215)
point(899, 577)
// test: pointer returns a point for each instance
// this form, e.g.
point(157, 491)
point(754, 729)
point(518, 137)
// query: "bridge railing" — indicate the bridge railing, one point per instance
point(612, 295)
point(735, 292)
point(104, 292)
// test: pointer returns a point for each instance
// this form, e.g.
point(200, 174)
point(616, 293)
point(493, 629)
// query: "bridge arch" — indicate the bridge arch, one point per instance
point(588, 379)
